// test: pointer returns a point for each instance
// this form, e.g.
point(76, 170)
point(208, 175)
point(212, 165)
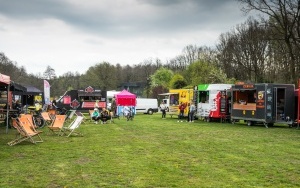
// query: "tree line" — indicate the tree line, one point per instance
point(263, 49)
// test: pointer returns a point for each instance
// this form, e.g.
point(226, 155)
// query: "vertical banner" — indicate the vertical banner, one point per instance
point(46, 92)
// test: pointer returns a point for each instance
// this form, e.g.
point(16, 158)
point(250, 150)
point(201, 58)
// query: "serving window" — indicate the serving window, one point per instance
point(244, 99)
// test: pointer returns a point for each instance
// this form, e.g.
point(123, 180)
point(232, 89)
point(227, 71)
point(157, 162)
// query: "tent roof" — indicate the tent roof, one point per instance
point(125, 94)
point(4, 79)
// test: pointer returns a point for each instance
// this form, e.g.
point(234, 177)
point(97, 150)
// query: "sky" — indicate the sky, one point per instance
point(73, 35)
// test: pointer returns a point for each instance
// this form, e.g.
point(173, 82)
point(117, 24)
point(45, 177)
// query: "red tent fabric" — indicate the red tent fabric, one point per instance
point(125, 98)
point(4, 80)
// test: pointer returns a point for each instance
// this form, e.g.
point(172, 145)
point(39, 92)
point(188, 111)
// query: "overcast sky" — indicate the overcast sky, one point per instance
point(72, 35)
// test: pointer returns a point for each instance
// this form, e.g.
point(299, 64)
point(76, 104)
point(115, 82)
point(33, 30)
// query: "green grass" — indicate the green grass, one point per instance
point(154, 152)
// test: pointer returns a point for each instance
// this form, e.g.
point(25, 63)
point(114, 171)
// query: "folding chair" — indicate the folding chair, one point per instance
point(47, 118)
point(29, 117)
point(70, 114)
point(78, 113)
point(57, 124)
point(73, 128)
point(26, 131)
point(52, 113)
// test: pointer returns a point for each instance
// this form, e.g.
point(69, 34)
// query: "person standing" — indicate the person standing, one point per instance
point(163, 109)
point(96, 105)
point(181, 110)
point(113, 106)
point(192, 110)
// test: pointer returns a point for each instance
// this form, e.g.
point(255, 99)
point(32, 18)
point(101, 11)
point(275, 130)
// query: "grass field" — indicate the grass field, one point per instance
point(154, 152)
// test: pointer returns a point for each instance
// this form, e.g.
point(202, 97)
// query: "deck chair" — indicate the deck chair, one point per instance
point(47, 118)
point(26, 132)
point(30, 119)
point(77, 113)
point(57, 124)
point(90, 114)
point(52, 113)
point(15, 125)
point(72, 129)
point(70, 114)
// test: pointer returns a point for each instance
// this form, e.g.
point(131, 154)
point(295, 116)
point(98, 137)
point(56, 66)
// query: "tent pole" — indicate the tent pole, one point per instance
point(7, 108)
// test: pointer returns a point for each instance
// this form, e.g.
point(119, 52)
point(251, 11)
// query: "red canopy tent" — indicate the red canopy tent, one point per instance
point(125, 98)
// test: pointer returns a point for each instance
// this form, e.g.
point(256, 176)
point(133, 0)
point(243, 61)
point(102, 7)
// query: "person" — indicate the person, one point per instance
point(104, 115)
point(192, 110)
point(163, 108)
point(113, 106)
point(96, 115)
point(18, 106)
point(54, 103)
point(96, 105)
point(181, 110)
point(128, 112)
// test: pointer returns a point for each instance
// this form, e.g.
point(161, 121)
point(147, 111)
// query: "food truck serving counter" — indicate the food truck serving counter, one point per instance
point(263, 103)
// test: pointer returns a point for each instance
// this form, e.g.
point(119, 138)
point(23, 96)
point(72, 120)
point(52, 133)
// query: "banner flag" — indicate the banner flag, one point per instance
point(46, 92)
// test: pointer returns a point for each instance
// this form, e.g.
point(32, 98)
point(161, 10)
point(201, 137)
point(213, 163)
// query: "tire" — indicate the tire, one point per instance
point(150, 111)
point(39, 121)
point(249, 123)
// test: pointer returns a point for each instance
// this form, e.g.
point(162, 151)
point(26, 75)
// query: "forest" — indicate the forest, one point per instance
point(264, 49)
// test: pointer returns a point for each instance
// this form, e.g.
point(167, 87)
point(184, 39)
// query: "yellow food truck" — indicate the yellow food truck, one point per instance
point(174, 98)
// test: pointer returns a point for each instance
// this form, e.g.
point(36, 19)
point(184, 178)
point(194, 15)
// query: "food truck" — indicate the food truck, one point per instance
point(82, 99)
point(174, 98)
point(264, 103)
point(213, 101)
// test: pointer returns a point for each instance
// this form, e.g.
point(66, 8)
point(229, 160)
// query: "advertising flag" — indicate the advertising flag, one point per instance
point(47, 92)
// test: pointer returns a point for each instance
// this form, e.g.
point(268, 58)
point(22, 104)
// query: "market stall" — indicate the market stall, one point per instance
point(125, 98)
point(4, 98)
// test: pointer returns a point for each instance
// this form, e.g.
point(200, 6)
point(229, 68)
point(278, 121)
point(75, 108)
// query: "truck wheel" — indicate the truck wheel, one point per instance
point(249, 123)
point(150, 111)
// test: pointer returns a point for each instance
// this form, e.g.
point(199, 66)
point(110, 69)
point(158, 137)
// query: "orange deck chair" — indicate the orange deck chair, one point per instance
point(57, 124)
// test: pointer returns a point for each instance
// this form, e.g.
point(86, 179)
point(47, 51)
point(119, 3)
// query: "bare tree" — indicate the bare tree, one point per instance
point(284, 19)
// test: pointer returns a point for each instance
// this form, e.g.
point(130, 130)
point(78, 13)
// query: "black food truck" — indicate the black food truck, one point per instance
point(264, 103)
point(82, 99)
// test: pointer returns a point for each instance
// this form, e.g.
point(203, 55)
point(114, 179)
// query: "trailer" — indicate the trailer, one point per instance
point(82, 99)
point(213, 102)
point(264, 103)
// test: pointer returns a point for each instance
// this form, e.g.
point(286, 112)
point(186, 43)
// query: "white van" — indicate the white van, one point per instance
point(109, 96)
point(146, 105)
